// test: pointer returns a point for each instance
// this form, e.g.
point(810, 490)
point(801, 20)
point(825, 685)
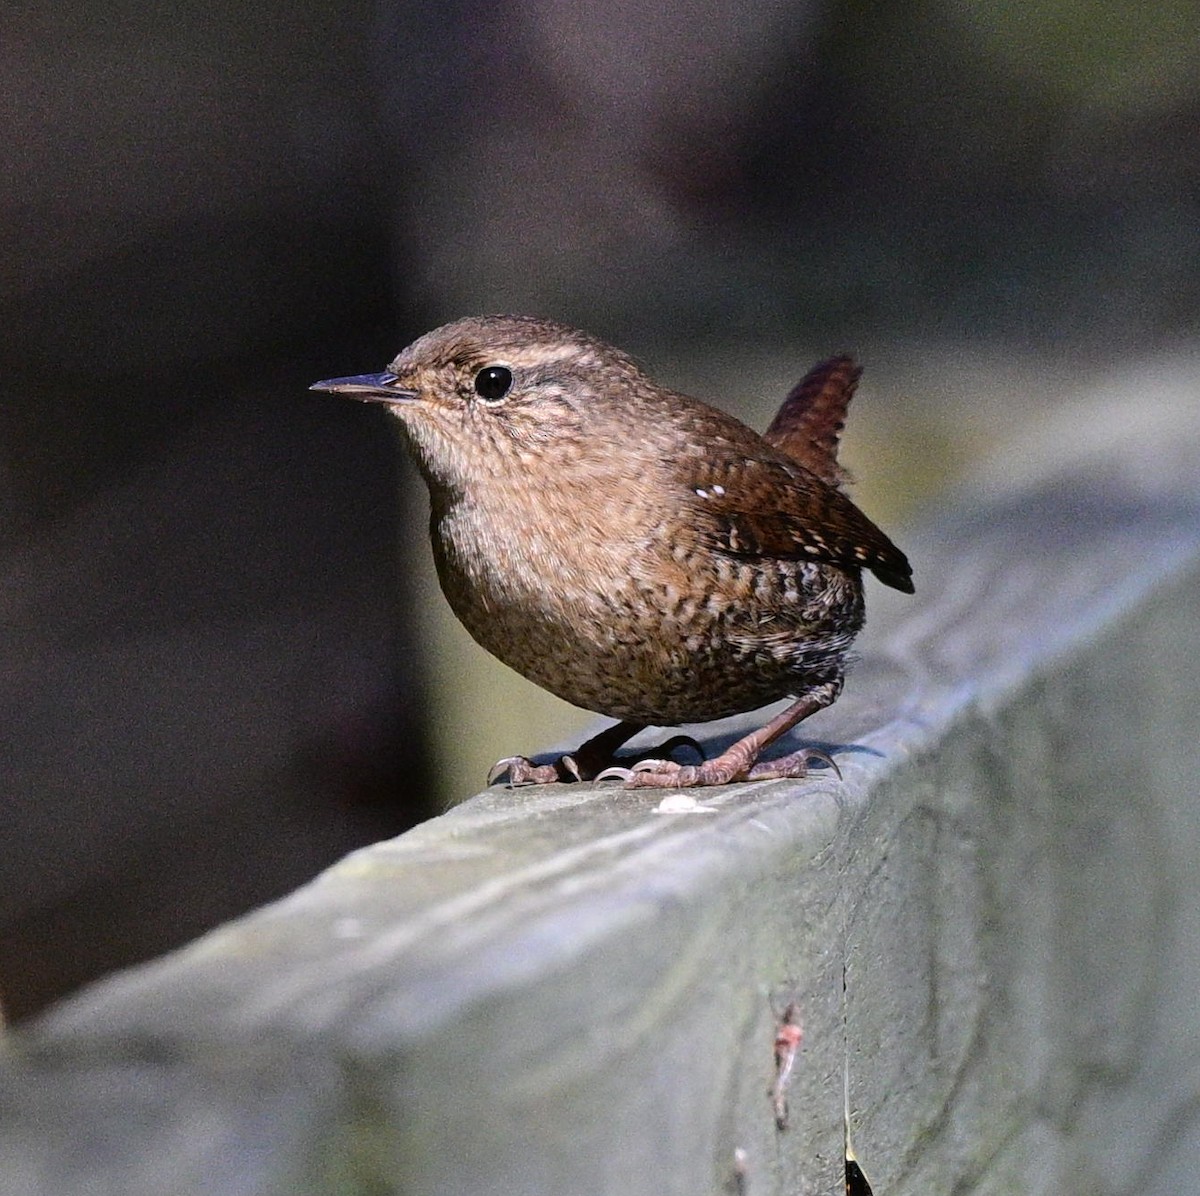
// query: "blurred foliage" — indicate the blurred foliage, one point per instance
point(1095, 54)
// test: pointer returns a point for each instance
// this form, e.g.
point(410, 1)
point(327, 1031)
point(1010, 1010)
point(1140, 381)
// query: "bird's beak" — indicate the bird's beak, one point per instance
point(371, 388)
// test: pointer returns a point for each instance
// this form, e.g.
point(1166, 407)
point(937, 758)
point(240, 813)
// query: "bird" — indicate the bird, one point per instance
point(633, 550)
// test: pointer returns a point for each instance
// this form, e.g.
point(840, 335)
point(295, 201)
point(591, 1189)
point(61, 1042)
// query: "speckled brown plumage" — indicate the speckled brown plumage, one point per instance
point(631, 549)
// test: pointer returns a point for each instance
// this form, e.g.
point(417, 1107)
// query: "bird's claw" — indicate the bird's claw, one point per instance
point(723, 770)
point(657, 769)
point(801, 758)
point(666, 774)
point(620, 772)
point(791, 767)
point(663, 773)
point(522, 771)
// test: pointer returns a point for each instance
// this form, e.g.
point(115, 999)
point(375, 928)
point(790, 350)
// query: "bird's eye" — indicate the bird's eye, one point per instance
point(493, 382)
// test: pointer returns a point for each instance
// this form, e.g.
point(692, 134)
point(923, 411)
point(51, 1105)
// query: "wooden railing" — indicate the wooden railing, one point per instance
point(989, 929)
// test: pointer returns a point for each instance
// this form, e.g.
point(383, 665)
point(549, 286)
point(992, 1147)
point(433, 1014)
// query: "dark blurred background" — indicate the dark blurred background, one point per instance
point(224, 660)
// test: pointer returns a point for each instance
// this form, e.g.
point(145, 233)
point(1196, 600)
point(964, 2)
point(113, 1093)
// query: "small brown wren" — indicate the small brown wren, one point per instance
point(633, 550)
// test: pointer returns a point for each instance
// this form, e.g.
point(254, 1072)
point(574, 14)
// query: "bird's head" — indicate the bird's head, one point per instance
point(493, 396)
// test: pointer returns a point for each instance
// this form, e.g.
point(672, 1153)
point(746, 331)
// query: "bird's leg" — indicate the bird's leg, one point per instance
point(740, 761)
point(581, 765)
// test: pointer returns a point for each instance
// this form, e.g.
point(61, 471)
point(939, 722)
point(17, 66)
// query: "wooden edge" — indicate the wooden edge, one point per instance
point(563, 990)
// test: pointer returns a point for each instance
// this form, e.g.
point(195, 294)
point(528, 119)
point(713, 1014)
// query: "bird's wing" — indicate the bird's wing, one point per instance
point(754, 508)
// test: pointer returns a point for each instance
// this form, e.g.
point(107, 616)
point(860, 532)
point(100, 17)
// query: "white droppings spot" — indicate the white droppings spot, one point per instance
point(702, 493)
point(718, 490)
point(681, 803)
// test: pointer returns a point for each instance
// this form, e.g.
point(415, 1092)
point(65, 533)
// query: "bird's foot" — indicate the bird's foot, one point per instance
point(585, 765)
point(522, 771)
point(732, 765)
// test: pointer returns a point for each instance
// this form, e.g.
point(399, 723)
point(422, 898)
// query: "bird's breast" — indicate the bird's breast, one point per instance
point(619, 618)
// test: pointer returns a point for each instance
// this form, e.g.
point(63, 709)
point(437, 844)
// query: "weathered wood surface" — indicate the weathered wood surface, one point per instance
point(992, 926)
